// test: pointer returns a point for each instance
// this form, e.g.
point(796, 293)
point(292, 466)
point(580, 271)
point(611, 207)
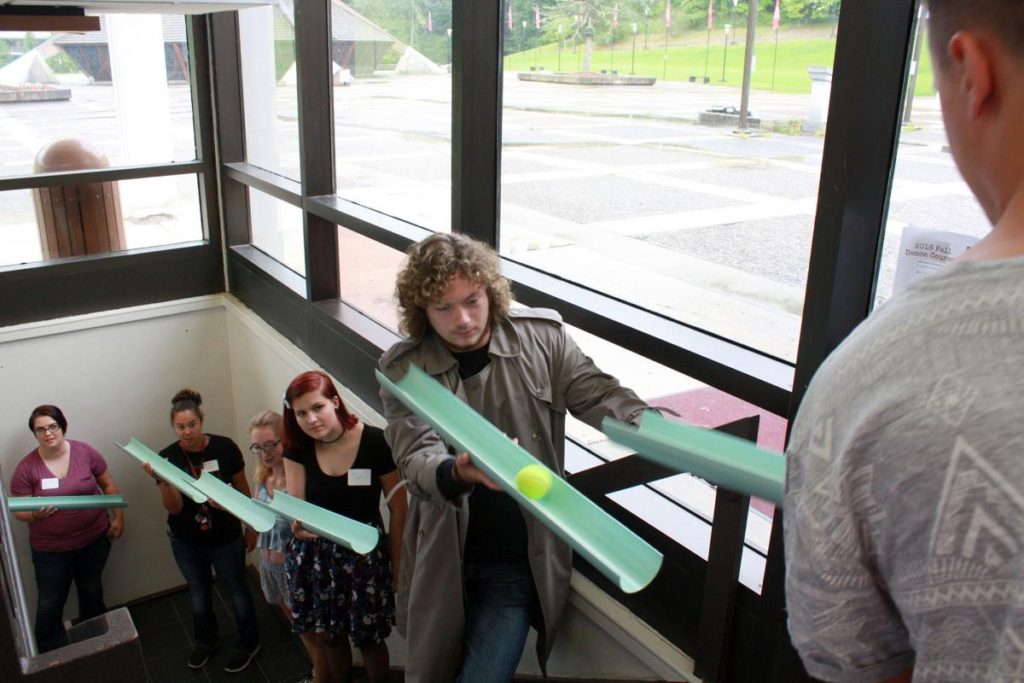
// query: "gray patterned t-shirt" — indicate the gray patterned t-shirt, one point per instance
point(904, 504)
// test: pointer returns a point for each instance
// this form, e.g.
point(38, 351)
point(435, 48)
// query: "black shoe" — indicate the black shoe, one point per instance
point(200, 655)
point(240, 659)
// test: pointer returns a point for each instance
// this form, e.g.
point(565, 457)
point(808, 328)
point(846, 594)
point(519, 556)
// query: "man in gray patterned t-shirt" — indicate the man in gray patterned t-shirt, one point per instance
point(904, 526)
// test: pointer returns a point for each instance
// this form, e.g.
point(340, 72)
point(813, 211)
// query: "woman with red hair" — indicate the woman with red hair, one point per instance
point(343, 465)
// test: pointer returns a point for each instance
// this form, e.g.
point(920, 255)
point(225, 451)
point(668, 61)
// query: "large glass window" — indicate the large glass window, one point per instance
point(267, 41)
point(123, 91)
point(368, 273)
point(277, 230)
point(392, 107)
point(94, 218)
point(933, 215)
point(625, 167)
point(681, 506)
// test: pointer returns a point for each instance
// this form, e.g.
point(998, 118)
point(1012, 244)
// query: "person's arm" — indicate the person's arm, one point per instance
point(417, 449)
point(107, 485)
point(35, 515)
point(23, 485)
point(295, 482)
point(241, 484)
point(589, 393)
point(398, 503)
point(170, 497)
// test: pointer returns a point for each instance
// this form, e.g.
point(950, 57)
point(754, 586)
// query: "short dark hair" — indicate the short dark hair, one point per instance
point(187, 399)
point(431, 266)
point(48, 411)
point(1005, 18)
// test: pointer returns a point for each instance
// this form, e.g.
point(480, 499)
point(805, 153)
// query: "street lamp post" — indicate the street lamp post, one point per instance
point(559, 47)
point(632, 62)
point(647, 15)
point(725, 54)
point(732, 16)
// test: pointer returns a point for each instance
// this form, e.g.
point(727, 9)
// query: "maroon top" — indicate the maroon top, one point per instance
point(66, 529)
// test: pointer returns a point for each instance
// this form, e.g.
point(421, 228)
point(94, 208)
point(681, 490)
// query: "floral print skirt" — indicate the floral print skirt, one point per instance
point(334, 590)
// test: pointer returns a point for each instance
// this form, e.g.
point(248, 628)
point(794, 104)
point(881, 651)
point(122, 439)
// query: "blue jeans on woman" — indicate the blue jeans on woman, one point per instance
point(501, 601)
point(54, 573)
point(228, 560)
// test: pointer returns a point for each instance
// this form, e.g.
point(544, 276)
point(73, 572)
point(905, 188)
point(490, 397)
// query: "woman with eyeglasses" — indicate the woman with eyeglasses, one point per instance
point(204, 537)
point(67, 545)
point(265, 444)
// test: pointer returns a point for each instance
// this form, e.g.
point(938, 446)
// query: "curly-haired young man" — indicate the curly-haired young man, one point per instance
point(476, 571)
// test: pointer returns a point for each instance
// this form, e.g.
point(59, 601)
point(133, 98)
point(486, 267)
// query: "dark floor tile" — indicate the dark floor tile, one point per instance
point(173, 668)
point(287, 662)
point(251, 674)
point(163, 640)
point(154, 613)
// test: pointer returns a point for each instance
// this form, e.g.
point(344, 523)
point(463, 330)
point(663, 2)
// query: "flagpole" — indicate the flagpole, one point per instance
point(664, 67)
point(775, 59)
point(707, 55)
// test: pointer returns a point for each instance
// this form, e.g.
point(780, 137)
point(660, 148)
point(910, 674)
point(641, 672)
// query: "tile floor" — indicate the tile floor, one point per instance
point(165, 627)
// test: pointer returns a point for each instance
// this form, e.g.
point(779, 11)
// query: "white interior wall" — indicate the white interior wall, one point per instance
point(114, 374)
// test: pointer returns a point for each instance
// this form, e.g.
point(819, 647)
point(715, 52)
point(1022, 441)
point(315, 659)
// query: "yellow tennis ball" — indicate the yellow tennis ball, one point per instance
point(534, 481)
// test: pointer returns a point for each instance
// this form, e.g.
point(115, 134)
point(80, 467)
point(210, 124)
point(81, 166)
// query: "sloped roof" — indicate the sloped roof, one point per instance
point(173, 30)
point(347, 25)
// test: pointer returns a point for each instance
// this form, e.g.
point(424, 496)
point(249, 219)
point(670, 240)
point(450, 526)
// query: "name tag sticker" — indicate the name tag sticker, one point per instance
point(211, 466)
point(50, 483)
point(358, 477)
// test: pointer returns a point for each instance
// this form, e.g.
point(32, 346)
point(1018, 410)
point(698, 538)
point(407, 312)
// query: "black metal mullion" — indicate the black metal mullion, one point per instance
point(226, 71)
point(858, 163)
point(866, 105)
point(476, 118)
point(99, 175)
point(202, 122)
point(315, 96)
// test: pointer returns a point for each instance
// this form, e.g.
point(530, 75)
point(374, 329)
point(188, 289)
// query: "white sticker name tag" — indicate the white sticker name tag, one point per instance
point(211, 466)
point(50, 483)
point(358, 477)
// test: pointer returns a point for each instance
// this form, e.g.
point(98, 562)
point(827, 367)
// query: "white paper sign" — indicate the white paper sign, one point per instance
point(924, 251)
point(50, 483)
point(360, 477)
point(211, 466)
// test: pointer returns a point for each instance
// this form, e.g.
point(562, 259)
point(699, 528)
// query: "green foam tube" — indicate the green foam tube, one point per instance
point(238, 504)
point(165, 470)
point(722, 459)
point(606, 543)
point(356, 536)
point(31, 503)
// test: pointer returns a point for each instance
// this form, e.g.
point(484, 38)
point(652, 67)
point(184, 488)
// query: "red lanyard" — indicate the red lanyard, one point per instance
point(188, 461)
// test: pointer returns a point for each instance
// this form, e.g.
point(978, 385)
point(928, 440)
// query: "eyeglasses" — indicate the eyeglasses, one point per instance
point(52, 428)
point(264, 447)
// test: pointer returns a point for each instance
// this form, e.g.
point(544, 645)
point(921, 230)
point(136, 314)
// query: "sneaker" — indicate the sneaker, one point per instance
point(199, 655)
point(240, 659)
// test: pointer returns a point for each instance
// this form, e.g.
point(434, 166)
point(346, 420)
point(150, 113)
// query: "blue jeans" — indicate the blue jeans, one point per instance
point(500, 603)
point(54, 574)
point(229, 561)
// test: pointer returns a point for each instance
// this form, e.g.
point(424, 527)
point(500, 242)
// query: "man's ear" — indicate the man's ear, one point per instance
point(972, 59)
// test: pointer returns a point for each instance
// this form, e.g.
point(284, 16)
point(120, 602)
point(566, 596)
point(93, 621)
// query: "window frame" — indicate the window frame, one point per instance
point(846, 247)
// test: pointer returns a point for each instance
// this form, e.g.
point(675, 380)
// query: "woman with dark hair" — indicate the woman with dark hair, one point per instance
point(205, 537)
point(67, 545)
point(338, 463)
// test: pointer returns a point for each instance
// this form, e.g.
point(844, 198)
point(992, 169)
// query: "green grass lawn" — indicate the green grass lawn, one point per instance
point(784, 71)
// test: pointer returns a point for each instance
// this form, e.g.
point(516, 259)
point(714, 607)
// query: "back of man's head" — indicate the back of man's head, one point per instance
point(1004, 18)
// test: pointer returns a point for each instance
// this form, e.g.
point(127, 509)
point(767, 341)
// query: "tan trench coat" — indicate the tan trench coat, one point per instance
point(536, 374)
